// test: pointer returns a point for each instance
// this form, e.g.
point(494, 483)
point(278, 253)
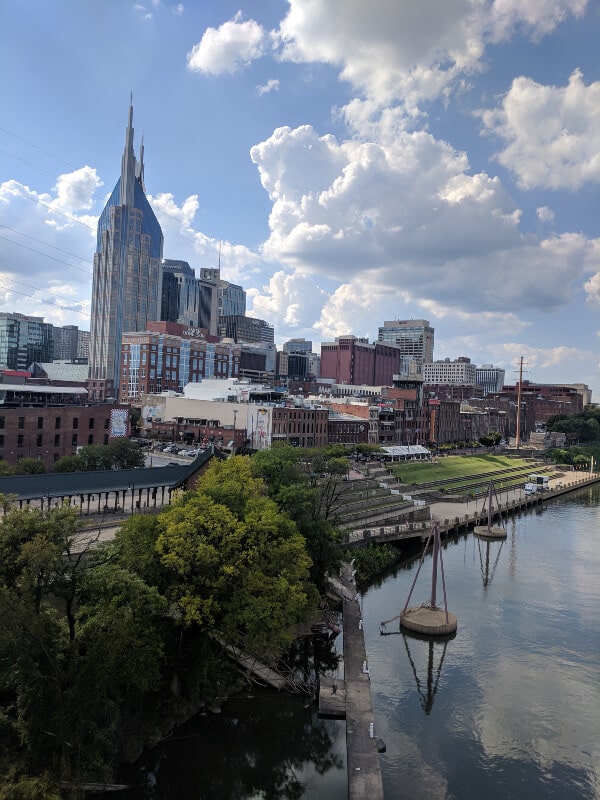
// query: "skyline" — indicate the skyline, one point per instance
point(429, 161)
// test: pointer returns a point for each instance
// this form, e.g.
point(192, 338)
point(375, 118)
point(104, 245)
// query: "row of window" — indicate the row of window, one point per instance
point(57, 423)
point(39, 440)
point(299, 427)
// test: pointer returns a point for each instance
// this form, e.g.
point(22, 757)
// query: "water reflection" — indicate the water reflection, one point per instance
point(268, 746)
point(487, 574)
point(511, 707)
point(432, 681)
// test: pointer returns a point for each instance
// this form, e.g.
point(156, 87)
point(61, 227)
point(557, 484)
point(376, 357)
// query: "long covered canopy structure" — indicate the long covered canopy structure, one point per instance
point(105, 491)
point(401, 452)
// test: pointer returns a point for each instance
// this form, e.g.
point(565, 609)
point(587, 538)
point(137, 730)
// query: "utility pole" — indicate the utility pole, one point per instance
point(518, 435)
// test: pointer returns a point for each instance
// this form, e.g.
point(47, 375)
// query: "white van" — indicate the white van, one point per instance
point(531, 488)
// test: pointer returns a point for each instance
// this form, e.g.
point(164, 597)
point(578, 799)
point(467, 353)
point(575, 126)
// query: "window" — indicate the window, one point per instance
point(39, 441)
point(57, 440)
point(57, 423)
point(1, 423)
point(20, 440)
point(91, 438)
point(75, 423)
point(21, 422)
point(1, 440)
point(105, 438)
point(40, 422)
point(74, 440)
point(91, 423)
point(106, 423)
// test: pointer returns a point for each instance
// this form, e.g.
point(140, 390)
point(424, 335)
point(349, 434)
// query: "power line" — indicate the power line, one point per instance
point(47, 255)
point(44, 302)
point(36, 147)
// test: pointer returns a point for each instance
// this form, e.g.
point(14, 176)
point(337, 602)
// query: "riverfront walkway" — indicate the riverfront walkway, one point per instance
point(364, 768)
point(458, 515)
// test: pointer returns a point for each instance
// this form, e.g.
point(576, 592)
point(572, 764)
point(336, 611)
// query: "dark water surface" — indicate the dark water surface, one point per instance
point(508, 709)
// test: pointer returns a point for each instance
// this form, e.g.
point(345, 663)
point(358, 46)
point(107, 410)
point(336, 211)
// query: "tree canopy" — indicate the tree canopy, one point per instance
point(94, 638)
point(120, 453)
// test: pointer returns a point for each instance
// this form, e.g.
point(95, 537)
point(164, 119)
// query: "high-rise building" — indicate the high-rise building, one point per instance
point(354, 361)
point(168, 356)
point(297, 346)
point(83, 346)
point(231, 298)
point(70, 344)
point(414, 338)
point(247, 329)
point(23, 340)
point(186, 299)
point(453, 373)
point(490, 378)
point(126, 290)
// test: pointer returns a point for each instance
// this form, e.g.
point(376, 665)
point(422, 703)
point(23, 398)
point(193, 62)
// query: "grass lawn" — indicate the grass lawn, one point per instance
point(455, 467)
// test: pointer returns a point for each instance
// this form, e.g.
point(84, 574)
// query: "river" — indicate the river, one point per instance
point(508, 709)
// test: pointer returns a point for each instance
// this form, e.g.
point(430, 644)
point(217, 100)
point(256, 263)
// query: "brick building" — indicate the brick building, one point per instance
point(301, 427)
point(51, 432)
point(354, 361)
point(346, 429)
point(167, 356)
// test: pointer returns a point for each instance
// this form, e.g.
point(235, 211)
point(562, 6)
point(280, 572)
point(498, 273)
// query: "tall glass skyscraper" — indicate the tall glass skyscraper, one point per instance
point(126, 291)
point(24, 340)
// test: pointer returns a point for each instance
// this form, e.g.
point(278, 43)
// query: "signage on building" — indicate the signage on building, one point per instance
point(119, 422)
point(194, 333)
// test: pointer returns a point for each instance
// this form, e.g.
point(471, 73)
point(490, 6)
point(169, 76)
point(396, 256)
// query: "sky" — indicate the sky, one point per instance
point(346, 162)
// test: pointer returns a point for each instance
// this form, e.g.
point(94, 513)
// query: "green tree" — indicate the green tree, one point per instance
point(240, 566)
point(308, 485)
point(79, 639)
point(68, 464)
point(95, 457)
point(29, 466)
point(125, 454)
point(5, 468)
point(120, 453)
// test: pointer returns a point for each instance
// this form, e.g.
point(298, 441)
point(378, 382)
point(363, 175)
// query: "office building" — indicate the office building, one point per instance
point(297, 346)
point(168, 356)
point(186, 299)
point(453, 373)
point(231, 298)
point(23, 340)
point(247, 329)
point(414, 338)
point(126, 290)
point(490, 378)
point(354, 361)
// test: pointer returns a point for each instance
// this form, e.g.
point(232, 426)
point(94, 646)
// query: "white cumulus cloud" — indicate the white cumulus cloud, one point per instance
point(552, 134)
point(234, 44)
point(411, 51)
point(409, 216)
point(545, 214)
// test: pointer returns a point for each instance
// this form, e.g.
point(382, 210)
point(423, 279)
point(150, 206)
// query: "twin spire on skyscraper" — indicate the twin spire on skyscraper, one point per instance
point(130, 167)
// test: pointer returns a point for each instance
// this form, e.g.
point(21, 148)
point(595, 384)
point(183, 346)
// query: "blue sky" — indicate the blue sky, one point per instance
point(354, 162)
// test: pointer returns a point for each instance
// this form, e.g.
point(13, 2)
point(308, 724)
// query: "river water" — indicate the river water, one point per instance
point(508, 709)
